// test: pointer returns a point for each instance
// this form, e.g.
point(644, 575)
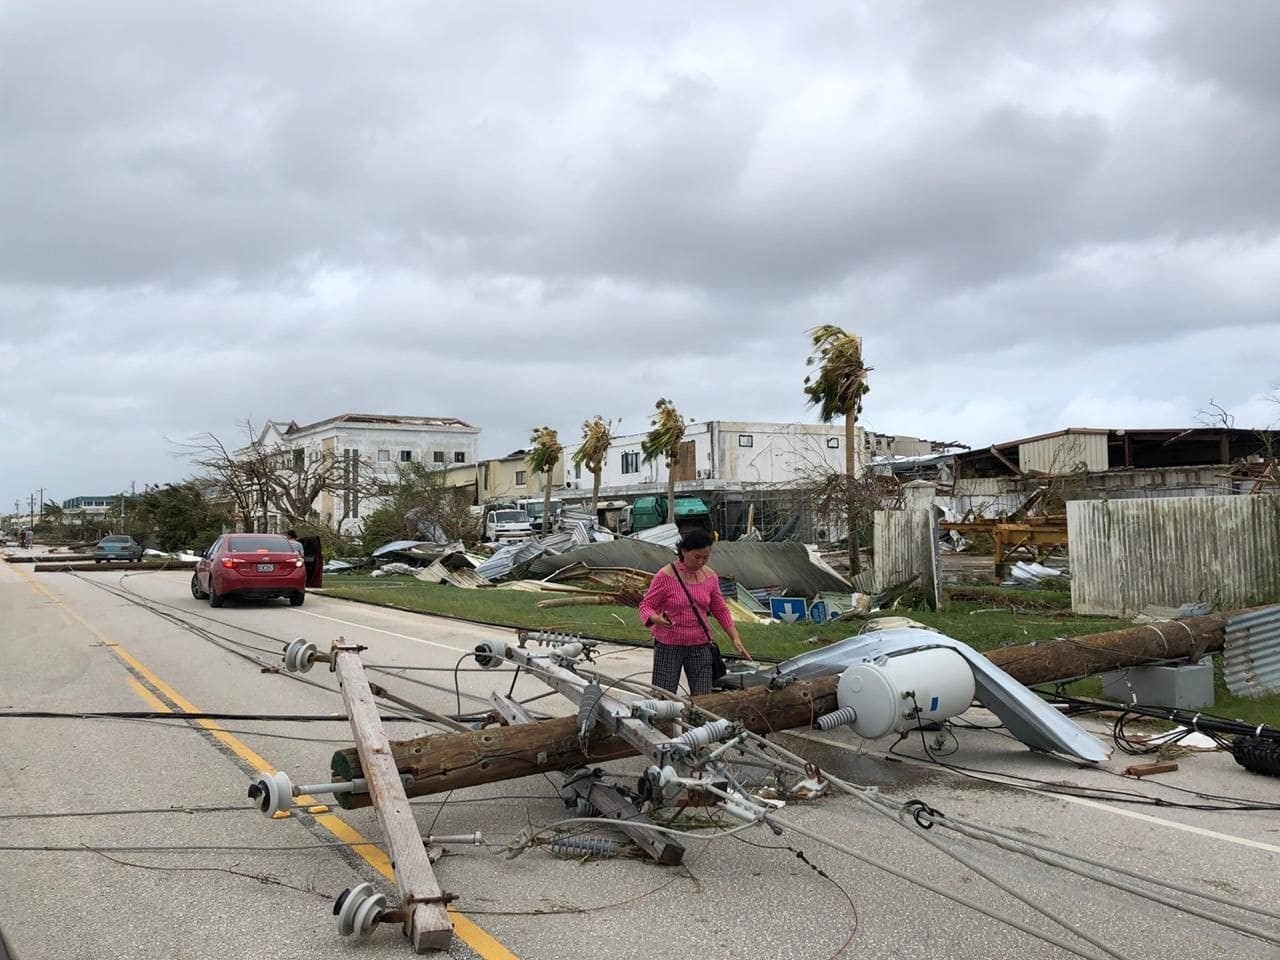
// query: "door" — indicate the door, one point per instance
point(687, 465)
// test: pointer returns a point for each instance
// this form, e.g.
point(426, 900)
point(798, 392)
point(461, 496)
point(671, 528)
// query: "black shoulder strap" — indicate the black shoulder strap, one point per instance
point(688, 596)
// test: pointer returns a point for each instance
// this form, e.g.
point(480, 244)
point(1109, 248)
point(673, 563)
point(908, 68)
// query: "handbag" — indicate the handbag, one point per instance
point(718, 669)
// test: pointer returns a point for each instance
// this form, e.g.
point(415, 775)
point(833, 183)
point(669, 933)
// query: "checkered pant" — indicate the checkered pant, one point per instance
point(670, 658)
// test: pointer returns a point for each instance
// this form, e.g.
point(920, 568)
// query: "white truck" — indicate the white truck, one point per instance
point(533, 507)
point(507, 526)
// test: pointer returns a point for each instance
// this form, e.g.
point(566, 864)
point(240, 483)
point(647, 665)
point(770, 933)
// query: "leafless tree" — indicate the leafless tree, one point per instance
point(241, 480)
point(259, 476)
point(836, 499)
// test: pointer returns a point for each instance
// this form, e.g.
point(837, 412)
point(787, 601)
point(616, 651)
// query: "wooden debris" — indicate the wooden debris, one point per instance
point(1147, 769)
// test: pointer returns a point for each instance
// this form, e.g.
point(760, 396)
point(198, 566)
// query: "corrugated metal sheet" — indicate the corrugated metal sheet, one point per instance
point(980, 487)
point(1251, 664)
point(664, 534)
point(505, 559)
point(460, 577)
point(753, 565)
point(1126, 554)
point(1065, 453)
point(894, 548)
point(905, 544)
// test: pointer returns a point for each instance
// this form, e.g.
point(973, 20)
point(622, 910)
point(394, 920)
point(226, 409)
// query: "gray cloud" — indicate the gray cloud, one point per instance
point(520, 215)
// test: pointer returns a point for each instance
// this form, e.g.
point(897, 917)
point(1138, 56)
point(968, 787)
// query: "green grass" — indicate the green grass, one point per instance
point(988, 618)
point(974, 623)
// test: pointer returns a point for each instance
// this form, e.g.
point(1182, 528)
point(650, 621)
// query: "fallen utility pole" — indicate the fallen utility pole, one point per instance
point(45, 566)
point(50, 557)
point(1069, 658)
point(453, 761)
point(426, 921)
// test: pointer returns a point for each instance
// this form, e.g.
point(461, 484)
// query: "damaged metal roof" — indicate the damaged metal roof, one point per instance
point(754, 565)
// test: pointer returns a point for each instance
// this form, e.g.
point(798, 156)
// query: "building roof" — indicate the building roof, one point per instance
point(379, 419)
point(1129, 448)
point(1171, 433)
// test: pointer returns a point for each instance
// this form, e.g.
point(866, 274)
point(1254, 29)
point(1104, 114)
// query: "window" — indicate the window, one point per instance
point(519, 478)
point(631, 462)
point(459, 456)
point(746, 440)
point(299, 459)
point(437, 456)
point(384, 456)
point(406, 456)
point(577, 471)
point(833, 443)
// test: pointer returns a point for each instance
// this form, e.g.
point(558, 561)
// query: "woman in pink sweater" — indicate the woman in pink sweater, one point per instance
point(680, 623)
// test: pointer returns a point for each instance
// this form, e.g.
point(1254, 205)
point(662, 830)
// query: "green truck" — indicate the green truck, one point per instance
point(648, 512)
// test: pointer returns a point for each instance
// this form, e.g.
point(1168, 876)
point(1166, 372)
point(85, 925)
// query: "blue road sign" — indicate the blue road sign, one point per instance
point(788, 609)
point(818, 611)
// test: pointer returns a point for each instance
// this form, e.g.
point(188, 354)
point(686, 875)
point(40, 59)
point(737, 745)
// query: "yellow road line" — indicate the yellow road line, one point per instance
point(465, 929)
point(151, 699)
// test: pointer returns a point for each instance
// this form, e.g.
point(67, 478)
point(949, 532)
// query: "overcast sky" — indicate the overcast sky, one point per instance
point(1038, 215)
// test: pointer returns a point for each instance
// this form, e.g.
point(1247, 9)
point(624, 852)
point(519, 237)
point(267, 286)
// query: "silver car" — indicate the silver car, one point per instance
point(117, 548)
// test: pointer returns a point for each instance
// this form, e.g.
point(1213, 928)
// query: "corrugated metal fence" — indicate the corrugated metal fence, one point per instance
point(1251, 666)
point(1126, 554)
point(904, 545)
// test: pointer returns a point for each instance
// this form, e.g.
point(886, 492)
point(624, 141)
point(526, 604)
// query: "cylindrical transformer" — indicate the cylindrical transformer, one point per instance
point(900, 693)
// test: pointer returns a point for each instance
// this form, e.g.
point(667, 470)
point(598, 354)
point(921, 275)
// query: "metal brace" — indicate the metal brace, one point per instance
point(444, 898)
point(345, 647)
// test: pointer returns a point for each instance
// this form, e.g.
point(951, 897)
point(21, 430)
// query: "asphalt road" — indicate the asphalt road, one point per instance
point(202, 874)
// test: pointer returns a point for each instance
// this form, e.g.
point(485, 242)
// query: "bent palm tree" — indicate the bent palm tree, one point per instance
point(663, 441)
point(837, 390)
point(543, 457)
point(597, 435)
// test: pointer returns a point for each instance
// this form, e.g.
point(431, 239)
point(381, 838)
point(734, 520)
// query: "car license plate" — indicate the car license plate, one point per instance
point(266, 567)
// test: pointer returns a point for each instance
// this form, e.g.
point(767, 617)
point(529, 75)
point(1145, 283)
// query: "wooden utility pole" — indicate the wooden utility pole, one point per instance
point(455, 760)
point(426, 921)
point(1074, 657)
point(451, 761)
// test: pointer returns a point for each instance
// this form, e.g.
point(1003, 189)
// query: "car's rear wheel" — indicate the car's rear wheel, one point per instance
point(195, 589)
point(296, 599)
point(215, 598)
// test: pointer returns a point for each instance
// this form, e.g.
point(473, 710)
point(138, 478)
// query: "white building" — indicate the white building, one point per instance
point(725, 454)
point(369, 442)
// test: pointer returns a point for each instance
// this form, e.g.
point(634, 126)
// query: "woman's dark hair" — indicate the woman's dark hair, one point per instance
point(695, 539)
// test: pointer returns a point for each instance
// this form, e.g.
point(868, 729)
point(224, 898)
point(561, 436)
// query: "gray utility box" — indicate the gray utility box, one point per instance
point(1187, 686)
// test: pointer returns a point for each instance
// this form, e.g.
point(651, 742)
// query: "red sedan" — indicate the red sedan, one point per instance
point(250, 565)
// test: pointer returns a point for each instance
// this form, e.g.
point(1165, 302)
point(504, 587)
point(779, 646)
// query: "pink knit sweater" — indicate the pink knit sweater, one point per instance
point(666, 596)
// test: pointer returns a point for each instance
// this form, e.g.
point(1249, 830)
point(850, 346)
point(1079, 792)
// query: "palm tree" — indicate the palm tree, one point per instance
point(837, 390)
point(663, 441)
point(597, 435)
point(543, 457)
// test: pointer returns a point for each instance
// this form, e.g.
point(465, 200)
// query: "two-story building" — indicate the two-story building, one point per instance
point(92, 508)
point(503, 479)
point(724, 454)
point(361, 443)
